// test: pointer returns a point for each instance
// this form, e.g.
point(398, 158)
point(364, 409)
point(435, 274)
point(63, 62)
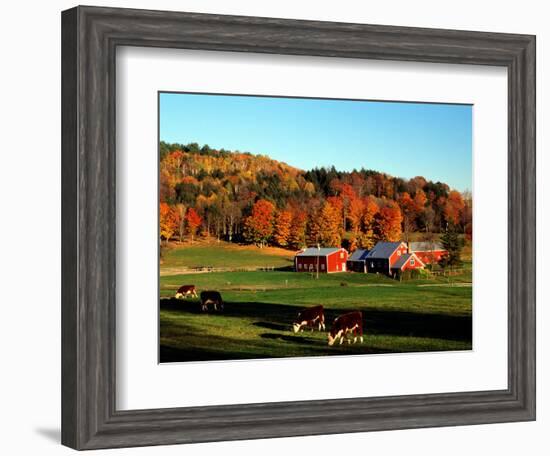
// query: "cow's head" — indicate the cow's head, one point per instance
point(333, 337)
point(296, 326)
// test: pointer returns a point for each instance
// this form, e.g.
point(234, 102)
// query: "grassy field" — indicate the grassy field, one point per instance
point(418, 315)
point(224, 254)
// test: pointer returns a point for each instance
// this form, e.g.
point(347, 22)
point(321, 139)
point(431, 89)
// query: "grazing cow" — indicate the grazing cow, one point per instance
point(309, 318)
point(211, 297)
point(344, 325)
point(186, 290)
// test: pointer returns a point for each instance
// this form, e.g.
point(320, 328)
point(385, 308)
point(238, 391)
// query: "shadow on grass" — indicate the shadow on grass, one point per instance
point(174, 355)
point(279, 317)
point(288, 338)
point(181, 305)
point(310, 348)
point(289, 268)
point(273, 326)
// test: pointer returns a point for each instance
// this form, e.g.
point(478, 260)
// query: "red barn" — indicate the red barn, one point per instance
point(390, 257)
point(407, 261)
point(428, 252)
point(327, 259)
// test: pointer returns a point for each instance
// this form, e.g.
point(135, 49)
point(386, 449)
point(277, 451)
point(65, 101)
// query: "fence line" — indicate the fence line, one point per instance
point(206, 269)
point(446, 273)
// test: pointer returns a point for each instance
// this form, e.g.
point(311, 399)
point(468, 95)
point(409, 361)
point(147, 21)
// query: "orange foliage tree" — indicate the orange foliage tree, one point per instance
point(420, 200)
point(355, 215)
point(194, 221)
point(258, 227)
point(408, 212)
point(367, 239)
point(180, 215)
point(329, 226)
point(281, 234)
point(345, 194)
point(389, 222)
point(453, 207)
point(297, 235)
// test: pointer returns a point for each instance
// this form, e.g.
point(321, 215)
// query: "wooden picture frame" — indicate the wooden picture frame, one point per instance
point(90, 36)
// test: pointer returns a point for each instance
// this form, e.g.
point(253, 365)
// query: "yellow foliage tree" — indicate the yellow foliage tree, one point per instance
point(168, 221)
point(281, 233)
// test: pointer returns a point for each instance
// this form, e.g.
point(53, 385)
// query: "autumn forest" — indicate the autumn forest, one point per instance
point(246, 198)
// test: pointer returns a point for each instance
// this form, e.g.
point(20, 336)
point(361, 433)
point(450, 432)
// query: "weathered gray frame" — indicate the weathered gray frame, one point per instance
point(90, 36)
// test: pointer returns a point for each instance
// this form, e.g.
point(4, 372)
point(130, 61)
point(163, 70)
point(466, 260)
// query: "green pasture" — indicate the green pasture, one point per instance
point(228, 255)
point(417, 315)
point(285, 280)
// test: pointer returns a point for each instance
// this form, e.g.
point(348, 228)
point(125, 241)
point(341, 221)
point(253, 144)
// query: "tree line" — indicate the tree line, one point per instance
point(241, 197)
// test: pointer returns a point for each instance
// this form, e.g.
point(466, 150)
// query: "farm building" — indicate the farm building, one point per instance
point(428, 252)
point(391, 257)
point(407, 261)
point(328, 259)
point(357, 261)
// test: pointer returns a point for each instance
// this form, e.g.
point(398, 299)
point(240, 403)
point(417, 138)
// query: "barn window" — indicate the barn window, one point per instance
point(412, 261)
point(299, 265)
point(322, 267)
point(341, 254)
point(399, 253)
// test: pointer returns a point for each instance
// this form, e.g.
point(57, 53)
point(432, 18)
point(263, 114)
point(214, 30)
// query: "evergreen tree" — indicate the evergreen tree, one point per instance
point(453, 243)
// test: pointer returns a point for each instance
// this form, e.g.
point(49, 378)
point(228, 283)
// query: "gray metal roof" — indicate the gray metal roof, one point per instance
point(401, 261)
point(314, 251)
point(383, 249)
point(426, 246)
point(358, 255)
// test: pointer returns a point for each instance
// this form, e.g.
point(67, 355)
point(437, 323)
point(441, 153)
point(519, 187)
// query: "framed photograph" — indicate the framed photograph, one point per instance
point(300, 251)
point(281, 228)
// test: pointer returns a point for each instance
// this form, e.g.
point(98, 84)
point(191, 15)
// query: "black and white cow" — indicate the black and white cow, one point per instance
point(211, 297)
point(309, 318)
point(344, 325)
point(186, 290)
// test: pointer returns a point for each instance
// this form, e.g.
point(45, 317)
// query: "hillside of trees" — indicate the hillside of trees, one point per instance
point(246, 198)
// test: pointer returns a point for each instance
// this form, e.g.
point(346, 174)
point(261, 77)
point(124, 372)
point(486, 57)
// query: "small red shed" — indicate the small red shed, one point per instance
point(323, 260)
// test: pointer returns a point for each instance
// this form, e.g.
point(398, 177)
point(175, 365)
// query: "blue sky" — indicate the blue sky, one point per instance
point(401, 139)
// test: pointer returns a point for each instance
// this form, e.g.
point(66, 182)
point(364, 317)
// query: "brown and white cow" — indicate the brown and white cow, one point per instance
point(309, 318)
point(211, 297)
point(186, 290)
point(344, 325)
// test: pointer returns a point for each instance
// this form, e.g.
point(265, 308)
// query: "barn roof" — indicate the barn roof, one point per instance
point(359, 255)
point(314, 251)
point(403, 259)
point(383, 249)
point(426, 246)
